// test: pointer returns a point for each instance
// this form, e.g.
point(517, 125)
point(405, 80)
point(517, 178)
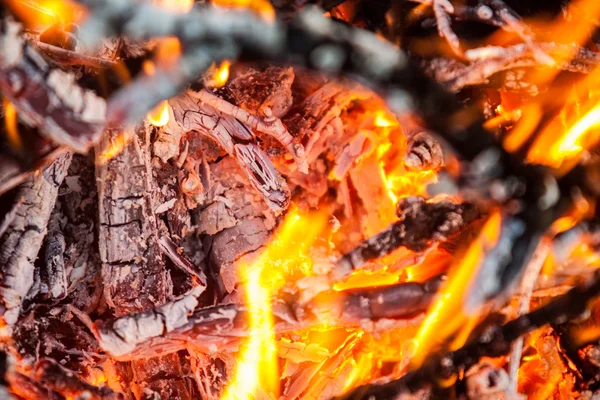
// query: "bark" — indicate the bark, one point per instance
point(133, 271)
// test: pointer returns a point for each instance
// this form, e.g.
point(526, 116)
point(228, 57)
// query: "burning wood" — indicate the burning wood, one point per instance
point(269, 203)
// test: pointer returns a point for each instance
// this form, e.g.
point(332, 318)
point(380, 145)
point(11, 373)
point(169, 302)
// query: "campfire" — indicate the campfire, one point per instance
point(338, 199)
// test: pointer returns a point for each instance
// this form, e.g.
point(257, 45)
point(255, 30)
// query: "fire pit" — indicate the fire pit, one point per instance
point(299, 199)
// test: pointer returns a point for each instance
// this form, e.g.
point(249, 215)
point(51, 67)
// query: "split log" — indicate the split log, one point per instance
point(20, 244)
point(134, 275)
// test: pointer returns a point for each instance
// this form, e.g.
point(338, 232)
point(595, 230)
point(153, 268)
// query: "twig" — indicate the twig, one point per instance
point(420, 224)
point(70, 58)
point(528, 283)
point(494, 341)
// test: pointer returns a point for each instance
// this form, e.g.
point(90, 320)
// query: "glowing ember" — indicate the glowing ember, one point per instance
point(257, 368)
point(10, 121)
point(159, 116)
point(445, 317)
point(384, 120)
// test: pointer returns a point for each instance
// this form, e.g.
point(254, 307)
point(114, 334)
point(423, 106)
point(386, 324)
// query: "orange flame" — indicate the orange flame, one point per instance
point(445, 317)
point(159, 116)
point(115, 148)
point(10, 122)
point(285, 256)
point(263, 8)
point(218, 76)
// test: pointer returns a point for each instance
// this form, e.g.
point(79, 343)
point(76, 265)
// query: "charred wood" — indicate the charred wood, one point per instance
point(420, 224)
point(220, 327)
point(23, 239)
point(48, 98)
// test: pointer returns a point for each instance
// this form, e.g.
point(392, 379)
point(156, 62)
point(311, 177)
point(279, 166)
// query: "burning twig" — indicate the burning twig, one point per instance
point(48, 98)
point(270, 124)
point(23, 239)
point(178, 324)
point(65, 382)
point(420, 224)
point(528, 282)
point(487, 61)
point(494, 341)
point(66, 57)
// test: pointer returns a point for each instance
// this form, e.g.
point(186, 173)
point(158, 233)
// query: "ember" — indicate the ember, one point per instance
point(299, 199)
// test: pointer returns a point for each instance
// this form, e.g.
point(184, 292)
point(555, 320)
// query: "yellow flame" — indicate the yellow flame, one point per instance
point(218, 76)
point(445, 317)
point(263, 8)
point(285, 256)
point(10, 122)
point(385, 120)
point(43, 13)
point(117, 144)
point(159, 116)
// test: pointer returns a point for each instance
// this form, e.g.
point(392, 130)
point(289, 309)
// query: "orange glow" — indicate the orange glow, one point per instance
point(285, 256)
point(263, 8)
point(445, 317)
point(218, 76)
point(159, 116)
point(409, 183)
point(181, 6)
point(10, 122)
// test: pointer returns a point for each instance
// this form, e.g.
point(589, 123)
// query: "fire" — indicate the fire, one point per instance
point(218, 76)
point(385, 120)
point(114, 149)
point(286, 256)
point(445, 317)
point(10, 122)
point(181, 6)
point(263, 8)
point(41, 14)
point(159, 116)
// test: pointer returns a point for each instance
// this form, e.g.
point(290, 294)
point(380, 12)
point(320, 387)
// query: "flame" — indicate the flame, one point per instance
point(445, 317)
point(117, 144)
point(181, 6)
point(384, 119)
point(218, 75)
point(262, 8)
point(168, 52)
point(159, 116)
point(10, 122)
point(285, 256)
point(41, 14)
